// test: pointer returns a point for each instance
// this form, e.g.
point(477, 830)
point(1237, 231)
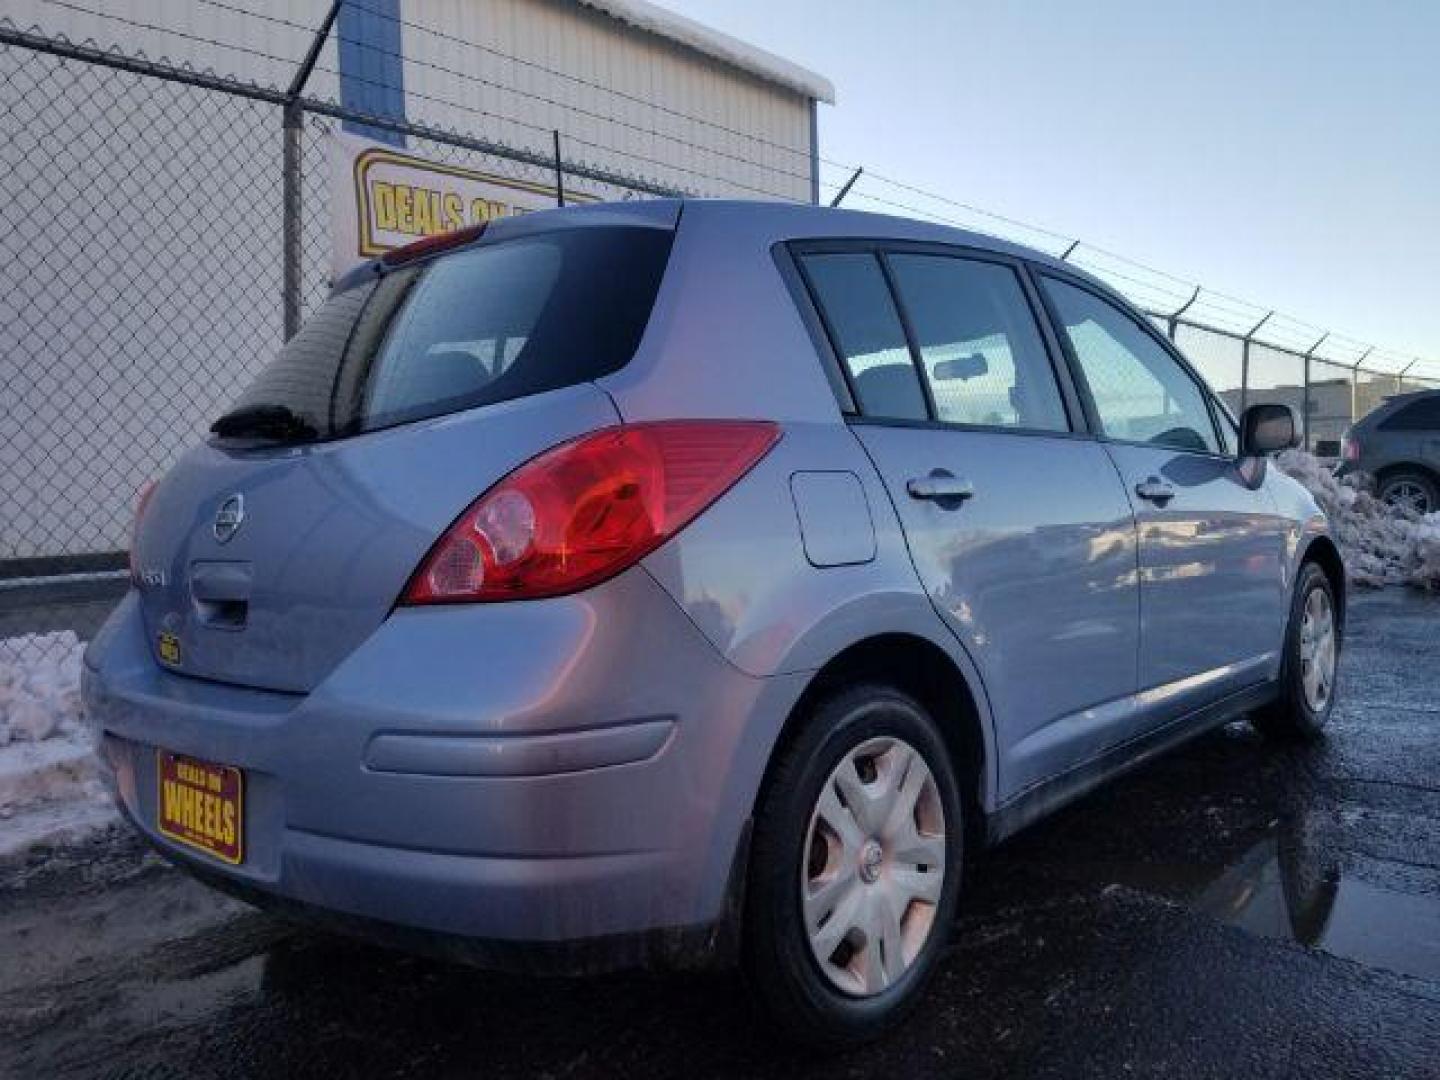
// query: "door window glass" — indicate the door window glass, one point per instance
point(1140, 392)
point(979, 345)
point(851, 291)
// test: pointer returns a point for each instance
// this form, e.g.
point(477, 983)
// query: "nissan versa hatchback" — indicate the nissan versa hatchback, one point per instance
point(693, 582)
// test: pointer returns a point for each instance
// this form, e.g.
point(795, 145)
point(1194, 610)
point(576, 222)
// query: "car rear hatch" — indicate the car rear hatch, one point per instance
point(270, 553)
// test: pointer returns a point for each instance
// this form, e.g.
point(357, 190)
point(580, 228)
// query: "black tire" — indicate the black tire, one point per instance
point(1292, 716)
point(779, 962)
point(1421, 484)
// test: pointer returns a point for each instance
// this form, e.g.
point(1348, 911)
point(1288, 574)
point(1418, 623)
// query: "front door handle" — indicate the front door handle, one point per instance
point(940, 487)
point(1155, 490)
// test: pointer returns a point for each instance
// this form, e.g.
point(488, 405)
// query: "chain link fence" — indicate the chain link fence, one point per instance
point(146, 282)
point(1328, 394)
point(1247, 353)
point(158, 234)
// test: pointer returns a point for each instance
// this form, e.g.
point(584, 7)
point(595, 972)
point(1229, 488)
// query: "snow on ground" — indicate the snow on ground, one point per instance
point(1382, 546)
point(49, 790)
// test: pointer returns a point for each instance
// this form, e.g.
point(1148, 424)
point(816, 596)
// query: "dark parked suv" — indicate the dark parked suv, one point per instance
point(1399, 445)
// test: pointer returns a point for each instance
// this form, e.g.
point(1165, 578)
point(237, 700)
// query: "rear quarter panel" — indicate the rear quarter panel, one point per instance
point(741, 573)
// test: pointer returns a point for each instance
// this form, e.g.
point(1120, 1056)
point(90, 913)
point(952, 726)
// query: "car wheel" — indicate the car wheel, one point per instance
point(1412, 491)
point(1310, 664)
point(854, 869)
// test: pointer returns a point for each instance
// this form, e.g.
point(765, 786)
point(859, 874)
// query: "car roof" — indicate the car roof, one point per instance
point(1391, 404)
point(769, 223)
point(775, 222)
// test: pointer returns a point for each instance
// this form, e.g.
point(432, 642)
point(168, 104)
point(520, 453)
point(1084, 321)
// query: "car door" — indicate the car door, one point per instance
point(1212, 545)
point(1017, 524)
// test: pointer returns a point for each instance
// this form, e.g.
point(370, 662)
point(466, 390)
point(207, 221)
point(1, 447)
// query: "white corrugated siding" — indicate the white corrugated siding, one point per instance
point(144, 253)
point(252, 44)
point(713, 129)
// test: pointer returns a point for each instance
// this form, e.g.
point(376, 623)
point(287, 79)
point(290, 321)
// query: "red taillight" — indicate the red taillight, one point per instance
point(1349, 448)
point(430, 245)
point(142, 500)
point(585, 510)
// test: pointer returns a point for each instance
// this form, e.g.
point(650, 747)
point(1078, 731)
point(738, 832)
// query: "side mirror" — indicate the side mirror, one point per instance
point(1266, 428)
point(962, 367)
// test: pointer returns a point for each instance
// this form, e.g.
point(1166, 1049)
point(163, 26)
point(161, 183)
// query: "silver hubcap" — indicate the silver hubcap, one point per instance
point(1317, 649)
point(1407, 495)
point(874, 866)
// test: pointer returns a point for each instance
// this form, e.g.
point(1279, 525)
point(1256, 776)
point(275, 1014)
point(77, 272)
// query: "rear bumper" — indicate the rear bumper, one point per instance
point(554, 772)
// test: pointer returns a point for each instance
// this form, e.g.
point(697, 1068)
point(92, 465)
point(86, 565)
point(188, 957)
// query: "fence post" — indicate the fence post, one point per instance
point(1174, 318)
point(1305, 399)
point(1400, 377)
point(559, 171)
point(1355, 384)
point(290, 177)
point(1245, 361)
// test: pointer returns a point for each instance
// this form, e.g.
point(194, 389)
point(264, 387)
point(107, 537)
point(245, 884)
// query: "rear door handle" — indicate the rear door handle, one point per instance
point(940, 487)
point(1155, 490)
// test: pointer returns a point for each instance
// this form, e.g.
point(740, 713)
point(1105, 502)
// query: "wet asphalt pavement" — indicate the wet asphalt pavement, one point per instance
point(1232, 909)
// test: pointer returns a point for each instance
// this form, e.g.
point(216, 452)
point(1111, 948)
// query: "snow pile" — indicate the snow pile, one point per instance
point(49, 790)
point(1381, 544)
point(39, 686)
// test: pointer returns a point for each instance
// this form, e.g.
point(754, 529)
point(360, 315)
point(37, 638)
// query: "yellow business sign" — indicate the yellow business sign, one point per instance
point(384, 199)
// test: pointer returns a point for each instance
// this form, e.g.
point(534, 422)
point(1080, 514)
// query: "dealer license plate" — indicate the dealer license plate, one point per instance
point(202, 804)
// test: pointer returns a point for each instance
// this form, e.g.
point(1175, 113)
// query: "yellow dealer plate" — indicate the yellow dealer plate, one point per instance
point(202, 805)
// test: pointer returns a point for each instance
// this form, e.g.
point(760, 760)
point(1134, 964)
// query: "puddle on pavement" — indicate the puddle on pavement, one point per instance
point(1276, 891)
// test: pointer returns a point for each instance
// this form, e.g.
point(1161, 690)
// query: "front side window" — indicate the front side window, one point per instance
point(851, 292)
point(1140, 392)
point(979, 345)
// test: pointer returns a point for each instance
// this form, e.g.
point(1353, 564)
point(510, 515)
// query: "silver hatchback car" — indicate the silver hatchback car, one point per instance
point(697, 581)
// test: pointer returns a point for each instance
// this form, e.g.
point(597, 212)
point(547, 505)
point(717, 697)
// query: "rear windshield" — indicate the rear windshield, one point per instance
point(486, 324)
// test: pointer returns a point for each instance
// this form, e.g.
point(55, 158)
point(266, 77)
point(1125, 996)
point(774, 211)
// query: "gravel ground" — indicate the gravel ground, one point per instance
point(1233, 909)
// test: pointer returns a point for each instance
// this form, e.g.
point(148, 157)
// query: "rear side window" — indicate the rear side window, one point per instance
point(865, 329)
point(1141, 393)
point(1422, 415)
point(482, 325)
point(979, 345)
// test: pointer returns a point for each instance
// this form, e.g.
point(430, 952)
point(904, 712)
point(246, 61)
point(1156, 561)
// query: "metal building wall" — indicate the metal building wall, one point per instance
point(145, 241)
point(513, 70)
point(253, 40)
point(713, 129)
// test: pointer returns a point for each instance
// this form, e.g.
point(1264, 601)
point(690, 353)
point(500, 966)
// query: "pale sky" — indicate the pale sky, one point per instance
point(1287, 153)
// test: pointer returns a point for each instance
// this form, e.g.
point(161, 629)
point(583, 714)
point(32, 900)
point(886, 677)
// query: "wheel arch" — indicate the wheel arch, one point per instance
point(1323, 551)
point(936, 678)
point(1394, 468)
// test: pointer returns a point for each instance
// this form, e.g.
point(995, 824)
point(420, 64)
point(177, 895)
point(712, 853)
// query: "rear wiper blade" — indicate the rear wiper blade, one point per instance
point(265, 422)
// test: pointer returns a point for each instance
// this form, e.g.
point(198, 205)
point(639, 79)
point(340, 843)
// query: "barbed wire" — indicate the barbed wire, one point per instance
point(478, 80)
point(541, 129)
point(535, 65)
point(1165, 294)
